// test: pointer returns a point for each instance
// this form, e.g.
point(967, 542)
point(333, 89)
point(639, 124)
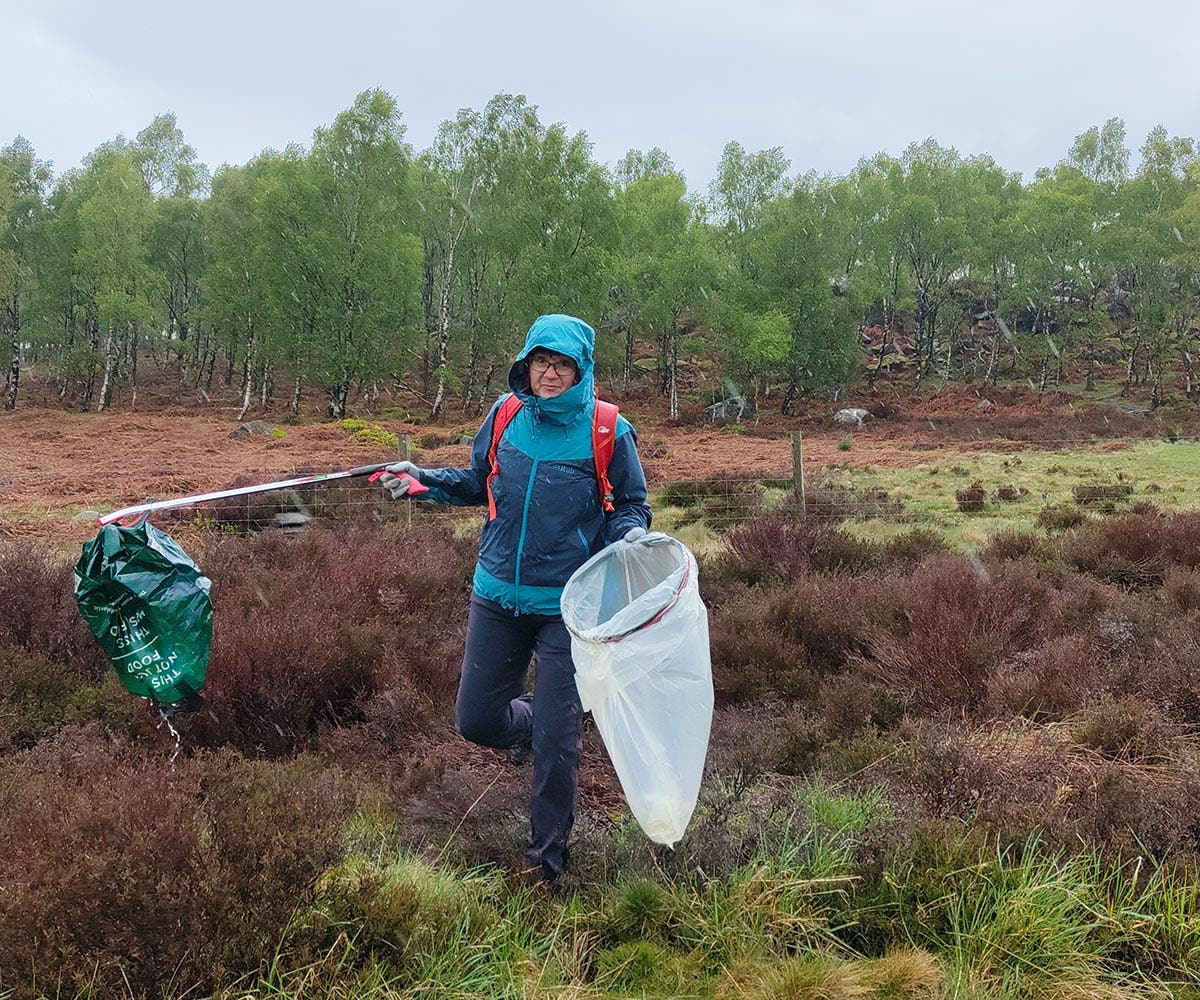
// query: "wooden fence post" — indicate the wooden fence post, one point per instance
point(798, 470)
point(405, 450)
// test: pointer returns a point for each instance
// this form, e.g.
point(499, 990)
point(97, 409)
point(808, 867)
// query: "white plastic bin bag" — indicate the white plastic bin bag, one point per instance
point(639, 639)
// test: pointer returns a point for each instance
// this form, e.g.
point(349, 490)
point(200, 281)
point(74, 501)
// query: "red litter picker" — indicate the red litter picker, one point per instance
point(142, 511)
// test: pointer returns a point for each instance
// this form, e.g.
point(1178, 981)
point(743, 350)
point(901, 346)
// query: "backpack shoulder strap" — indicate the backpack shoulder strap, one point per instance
point(604, 441)
point(508, 409)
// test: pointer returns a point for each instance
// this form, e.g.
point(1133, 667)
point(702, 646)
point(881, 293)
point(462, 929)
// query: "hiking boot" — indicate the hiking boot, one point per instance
point(542, 878)
point(521, 754)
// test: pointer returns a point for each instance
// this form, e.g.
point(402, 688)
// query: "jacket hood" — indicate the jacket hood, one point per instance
point(564, 335)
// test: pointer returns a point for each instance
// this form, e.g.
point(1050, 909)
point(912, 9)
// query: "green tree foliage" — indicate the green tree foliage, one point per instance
point(352, 266)
point(23, 182)
point(114, 222)
point(517, 219)
point(670, 269)
point(806, 263)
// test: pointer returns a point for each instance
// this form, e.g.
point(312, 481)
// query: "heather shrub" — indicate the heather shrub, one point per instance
point(38, 697)
point(309, 628)
point(779, 547)
point(1135, 549)
point(1011, 544)
point(1047, 682)
point(904, 552)
point(971, 498)
point(841, 552)
point(98, 859)
point(768, 549)
point(1003, 778)
point(1060, 518)
point(855, 701)
point(38, 612)
point(34, 695)
point(783, 639)
point(1128, 729)
point(1101, 495)
point(829, 500)
point(749, 661)
point(965, 619)
point(1138, 809)
point(124, 874)
point(1169, 673)
point(1182, 587)
point(272, 825)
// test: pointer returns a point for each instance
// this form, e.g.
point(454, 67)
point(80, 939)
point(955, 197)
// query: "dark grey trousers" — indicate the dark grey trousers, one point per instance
point(491, 712)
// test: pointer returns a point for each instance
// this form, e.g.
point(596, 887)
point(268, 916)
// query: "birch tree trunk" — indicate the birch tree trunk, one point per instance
point(443, 338)
point(14, 371)
point(247, 383)
point(110, 370)
point(337, 399)
point(14, 376)
point(133, 382)
point(673, 370)
point(89, 390)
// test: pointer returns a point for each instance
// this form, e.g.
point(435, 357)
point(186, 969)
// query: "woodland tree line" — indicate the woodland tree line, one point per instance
point(357, 264)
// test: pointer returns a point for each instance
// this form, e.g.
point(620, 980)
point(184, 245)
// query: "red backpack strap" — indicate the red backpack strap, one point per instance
point(604, 441)
point(508, 409)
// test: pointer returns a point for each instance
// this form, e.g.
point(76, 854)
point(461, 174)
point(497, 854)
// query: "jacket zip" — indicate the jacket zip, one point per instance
point(537, 451)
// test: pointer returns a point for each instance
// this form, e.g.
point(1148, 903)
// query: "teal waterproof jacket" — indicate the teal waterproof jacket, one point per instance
point(549, 516)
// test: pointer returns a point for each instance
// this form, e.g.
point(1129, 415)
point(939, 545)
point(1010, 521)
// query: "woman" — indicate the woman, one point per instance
point(547, 516)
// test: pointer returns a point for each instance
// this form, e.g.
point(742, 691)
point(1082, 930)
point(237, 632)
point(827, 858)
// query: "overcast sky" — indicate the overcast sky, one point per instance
point(830, 82)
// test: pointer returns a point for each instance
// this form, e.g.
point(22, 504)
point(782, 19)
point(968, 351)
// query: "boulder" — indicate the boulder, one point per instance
point(291, 520)
point(852, 416)
point(728, 409)
point(253, 427)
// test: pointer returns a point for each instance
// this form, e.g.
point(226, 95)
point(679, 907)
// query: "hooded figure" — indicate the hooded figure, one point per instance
point(549, 521)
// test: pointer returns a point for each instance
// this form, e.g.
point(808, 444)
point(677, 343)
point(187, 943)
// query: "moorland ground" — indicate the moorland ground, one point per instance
point(953, 755)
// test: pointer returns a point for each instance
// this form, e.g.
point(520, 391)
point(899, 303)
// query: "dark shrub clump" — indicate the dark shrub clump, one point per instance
point(121, 869)
point(970, 499)
point(965, 620)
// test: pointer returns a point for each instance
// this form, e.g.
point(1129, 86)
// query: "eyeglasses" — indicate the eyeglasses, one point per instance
point(562, 367)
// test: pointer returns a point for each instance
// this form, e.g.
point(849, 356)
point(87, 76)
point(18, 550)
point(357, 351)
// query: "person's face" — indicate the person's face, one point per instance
point(551, 374)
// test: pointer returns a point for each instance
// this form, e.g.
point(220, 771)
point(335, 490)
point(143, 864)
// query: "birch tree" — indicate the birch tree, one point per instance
point(23, 183)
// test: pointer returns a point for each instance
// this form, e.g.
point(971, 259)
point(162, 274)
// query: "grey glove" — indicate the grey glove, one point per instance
point(394, 483)
point(634, 535)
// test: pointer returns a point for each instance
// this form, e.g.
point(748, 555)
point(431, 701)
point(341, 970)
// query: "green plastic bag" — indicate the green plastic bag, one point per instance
point(147, 605)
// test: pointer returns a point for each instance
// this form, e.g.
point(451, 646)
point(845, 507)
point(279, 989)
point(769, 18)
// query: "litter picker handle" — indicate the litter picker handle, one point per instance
point(145, 509)
point(415, 486)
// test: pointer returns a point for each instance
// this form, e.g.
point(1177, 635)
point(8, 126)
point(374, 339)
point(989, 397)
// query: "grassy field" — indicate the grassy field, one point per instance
point(883, 501)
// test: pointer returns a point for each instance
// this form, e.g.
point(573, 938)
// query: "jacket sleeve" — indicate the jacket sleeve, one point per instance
point(628, 484)
point(464, 487)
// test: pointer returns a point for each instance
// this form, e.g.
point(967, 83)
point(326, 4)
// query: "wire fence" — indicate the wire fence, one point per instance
point(858, 478)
